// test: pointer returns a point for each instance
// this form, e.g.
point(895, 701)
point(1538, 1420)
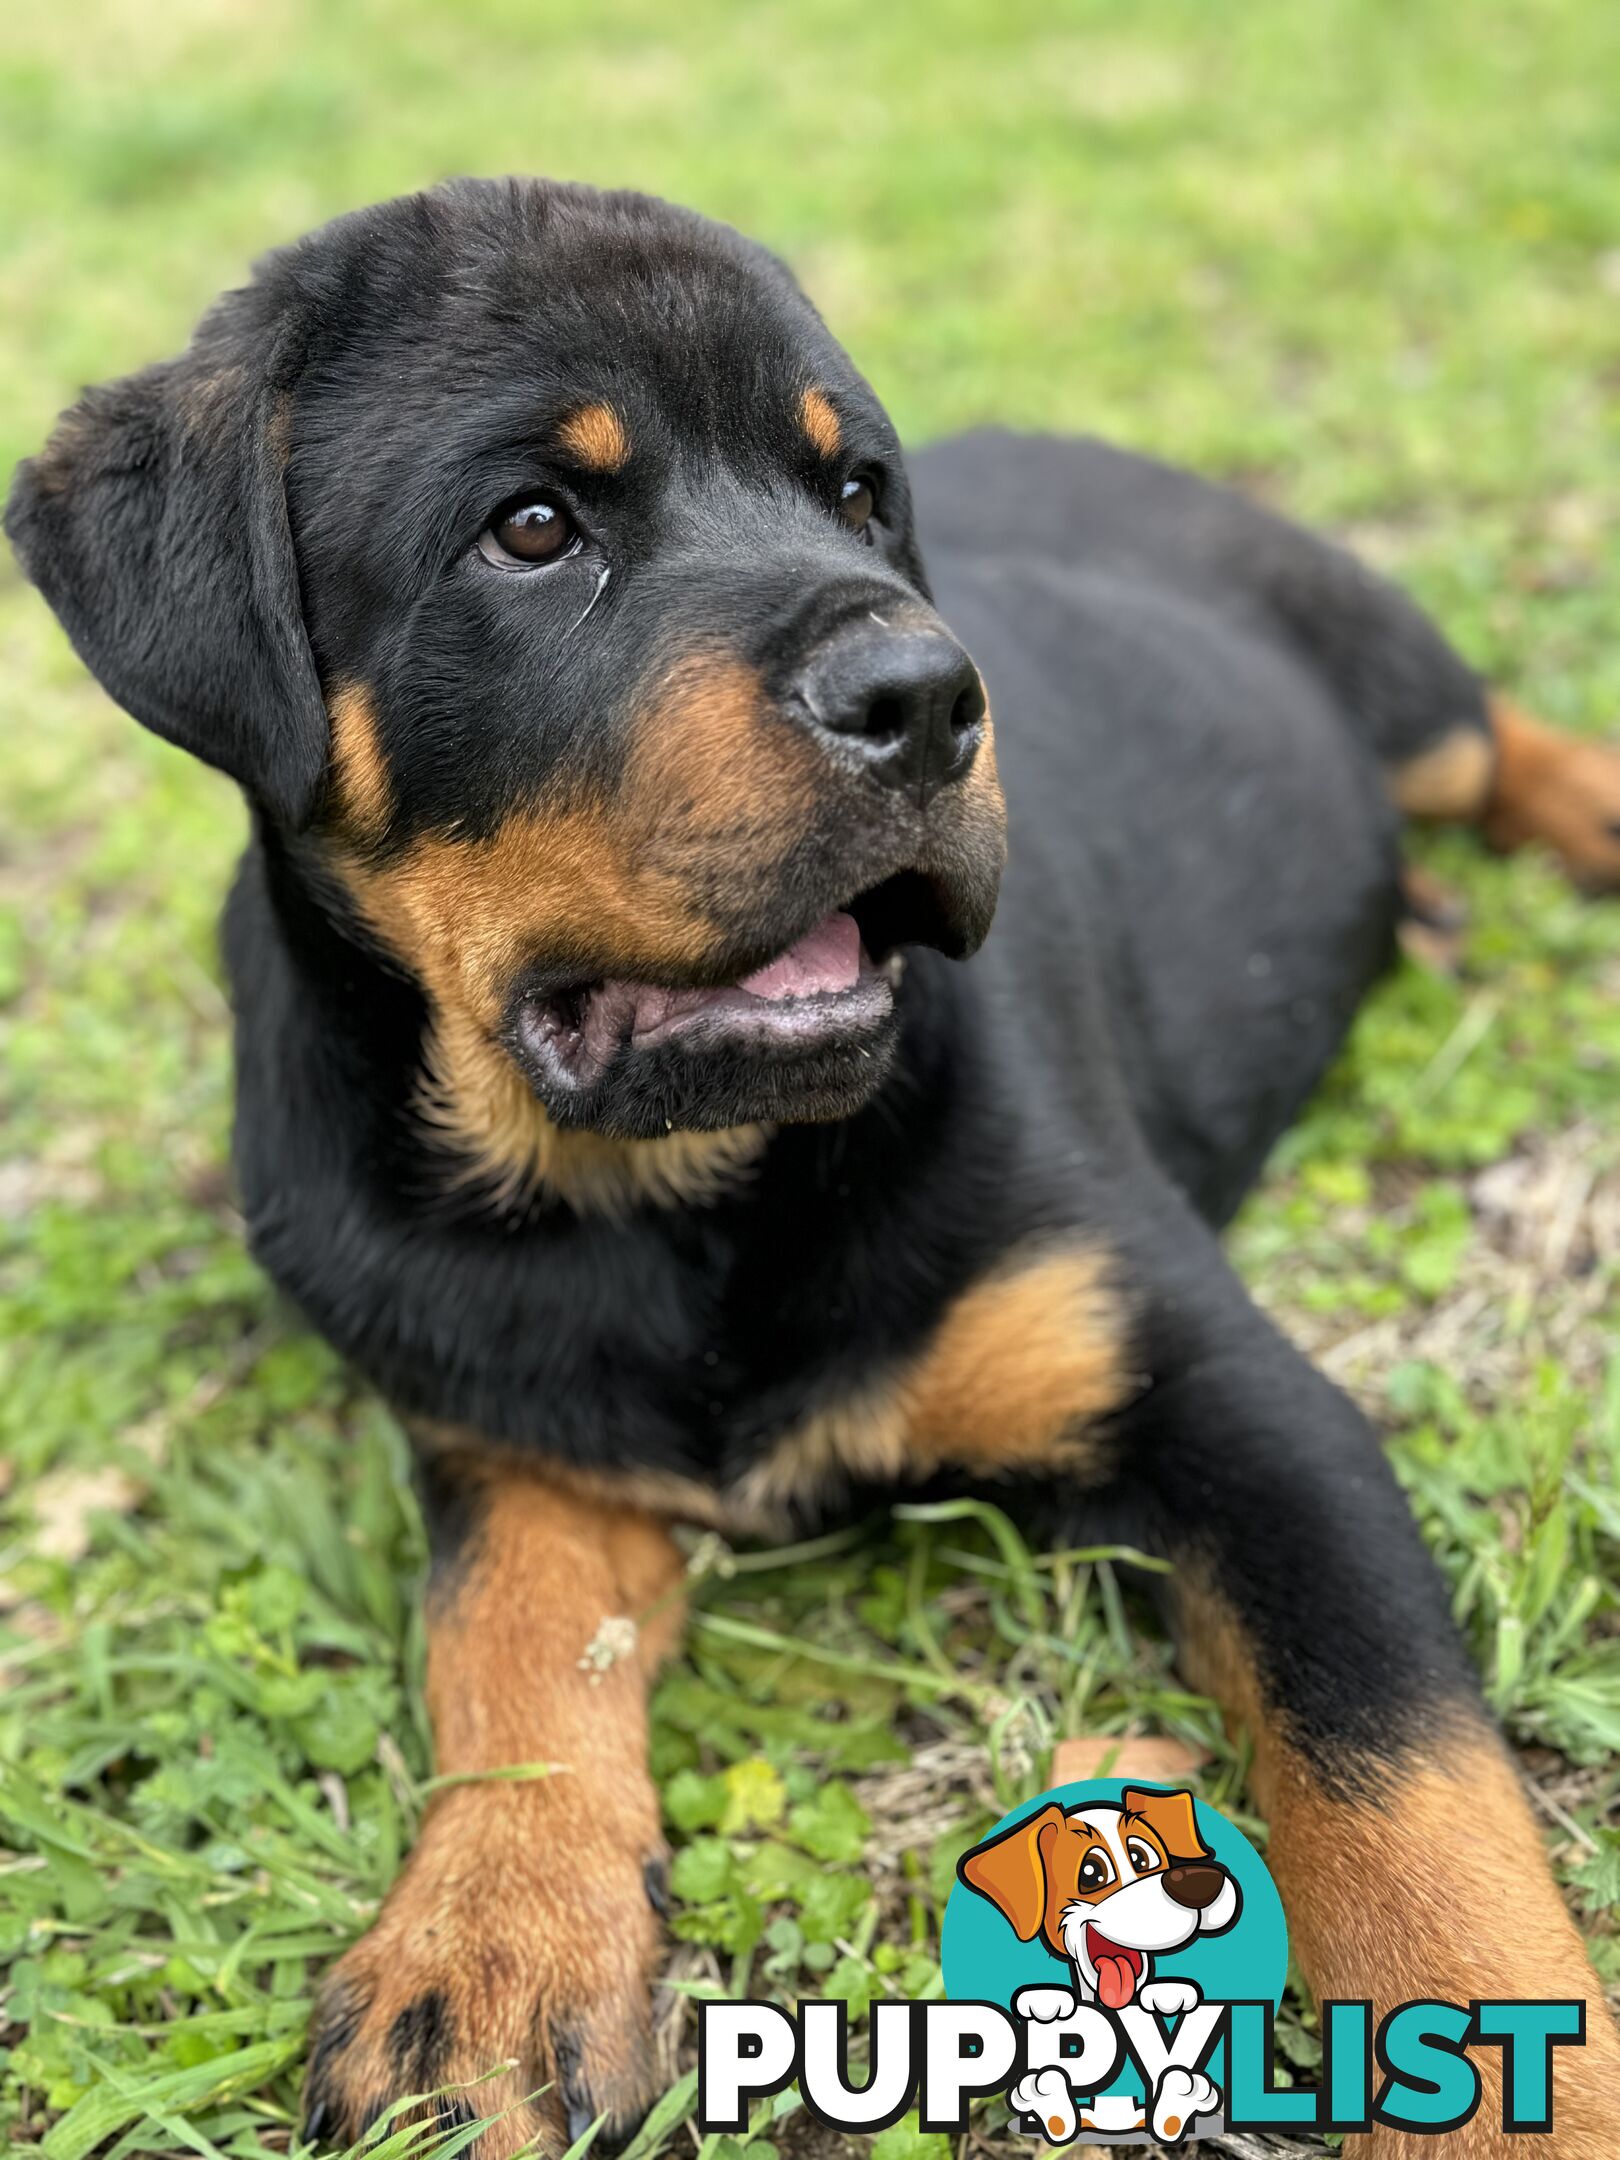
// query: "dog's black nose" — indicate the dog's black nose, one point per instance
point(1194, 1885)
point(909, 700)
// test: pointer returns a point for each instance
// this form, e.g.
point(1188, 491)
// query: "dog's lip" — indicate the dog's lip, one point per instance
point(822, 989)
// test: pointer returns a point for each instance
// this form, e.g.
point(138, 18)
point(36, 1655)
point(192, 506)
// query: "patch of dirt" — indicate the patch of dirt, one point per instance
point(1539, 1281)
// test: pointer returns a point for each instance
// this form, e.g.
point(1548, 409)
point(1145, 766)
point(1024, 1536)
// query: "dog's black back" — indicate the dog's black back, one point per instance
point(1199, 703)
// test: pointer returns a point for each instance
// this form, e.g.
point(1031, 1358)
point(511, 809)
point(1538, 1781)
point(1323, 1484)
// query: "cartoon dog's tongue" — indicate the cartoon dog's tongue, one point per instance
point(1117, 1970)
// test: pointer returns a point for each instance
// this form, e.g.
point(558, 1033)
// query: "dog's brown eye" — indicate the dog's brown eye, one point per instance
point(1142, 1857)
point(1096, 1871)
point(856, 502)
point(526, 533)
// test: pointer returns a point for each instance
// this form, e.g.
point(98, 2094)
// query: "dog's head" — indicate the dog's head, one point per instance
point(1107, 1886)
point(544, 571)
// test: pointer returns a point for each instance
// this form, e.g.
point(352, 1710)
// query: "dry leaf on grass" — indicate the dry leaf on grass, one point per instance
point(64, 1501)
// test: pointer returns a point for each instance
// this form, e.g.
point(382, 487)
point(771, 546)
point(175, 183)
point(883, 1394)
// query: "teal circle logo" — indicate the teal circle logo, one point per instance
point(1123, 1896)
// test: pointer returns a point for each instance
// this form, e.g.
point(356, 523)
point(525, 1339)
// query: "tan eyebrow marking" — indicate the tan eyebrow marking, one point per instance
point(820, 422)
point(597, 437)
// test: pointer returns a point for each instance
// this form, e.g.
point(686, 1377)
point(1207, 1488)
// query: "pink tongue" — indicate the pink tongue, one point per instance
point(827, 958)
point(1116, 1981)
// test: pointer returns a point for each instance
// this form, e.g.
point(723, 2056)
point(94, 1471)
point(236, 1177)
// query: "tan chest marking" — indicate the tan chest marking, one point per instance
point(1019, 1372)
point(1017, 1377)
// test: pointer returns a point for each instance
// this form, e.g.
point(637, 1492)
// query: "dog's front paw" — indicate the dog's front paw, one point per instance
point(1169, 1998)
point(1044, 2004)
point(1182, 2096)
point(1043, 2097)
point(492, 1953)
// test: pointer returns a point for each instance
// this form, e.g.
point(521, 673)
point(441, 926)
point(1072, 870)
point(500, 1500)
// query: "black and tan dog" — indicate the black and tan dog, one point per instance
point(623, 1088)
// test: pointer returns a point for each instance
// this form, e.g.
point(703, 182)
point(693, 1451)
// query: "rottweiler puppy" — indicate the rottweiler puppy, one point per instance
point(629, 1083)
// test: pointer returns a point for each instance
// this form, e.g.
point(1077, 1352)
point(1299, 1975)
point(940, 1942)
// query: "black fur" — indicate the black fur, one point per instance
point(419, 2043)
point(1194, 704)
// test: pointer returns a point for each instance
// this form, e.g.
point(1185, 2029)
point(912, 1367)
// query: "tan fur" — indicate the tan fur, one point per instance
point(981, 819)
point(597, 438)
point(1011, 1870)
point(1559, 790)
point(713, 780)
point(1450, 780)
point(475, 1100)
point(525, 1899)
point(1171, 1821)
point(1023, 1363)
point(1022, 1366)
point(278, 428)
point(1523, 783)
point(1435, 1884)
point(1017, 1375)
point(363, 792)
point(466, 913)
point(609, 881)
point(820, 423)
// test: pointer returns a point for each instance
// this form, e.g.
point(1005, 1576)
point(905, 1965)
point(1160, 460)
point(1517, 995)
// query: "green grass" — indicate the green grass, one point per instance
point(1362, 255)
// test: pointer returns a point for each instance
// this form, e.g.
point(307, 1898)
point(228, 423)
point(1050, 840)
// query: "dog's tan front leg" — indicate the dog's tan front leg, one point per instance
point(523, 1930)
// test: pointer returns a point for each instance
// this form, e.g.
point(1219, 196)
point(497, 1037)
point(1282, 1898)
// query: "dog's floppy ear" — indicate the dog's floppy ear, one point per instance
point(1172, 1816)
point(155, 523)
point(1010, 1870)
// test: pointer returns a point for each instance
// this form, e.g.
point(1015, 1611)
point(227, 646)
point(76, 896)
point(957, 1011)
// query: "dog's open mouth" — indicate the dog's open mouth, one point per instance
point(833, 987)
point(1118, 1968)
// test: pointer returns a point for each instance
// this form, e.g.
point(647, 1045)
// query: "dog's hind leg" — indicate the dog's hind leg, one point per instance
point(522, 1937)
point(1305, 1602)
point(1451, 749)
point(1522, 782)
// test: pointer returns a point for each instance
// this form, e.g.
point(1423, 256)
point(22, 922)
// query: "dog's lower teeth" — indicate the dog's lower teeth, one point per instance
point(894, 967)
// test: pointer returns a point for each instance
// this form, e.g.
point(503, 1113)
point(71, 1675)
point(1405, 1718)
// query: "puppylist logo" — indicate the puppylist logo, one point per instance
point(1113, 1956)
point(1117, 1887)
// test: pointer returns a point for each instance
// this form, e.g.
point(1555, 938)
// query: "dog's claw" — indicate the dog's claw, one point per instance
point(580, 2119)
point(655, 1878)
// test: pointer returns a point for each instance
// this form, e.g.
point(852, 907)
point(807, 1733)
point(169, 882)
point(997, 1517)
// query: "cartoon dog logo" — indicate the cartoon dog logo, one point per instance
point(1108, 1888)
